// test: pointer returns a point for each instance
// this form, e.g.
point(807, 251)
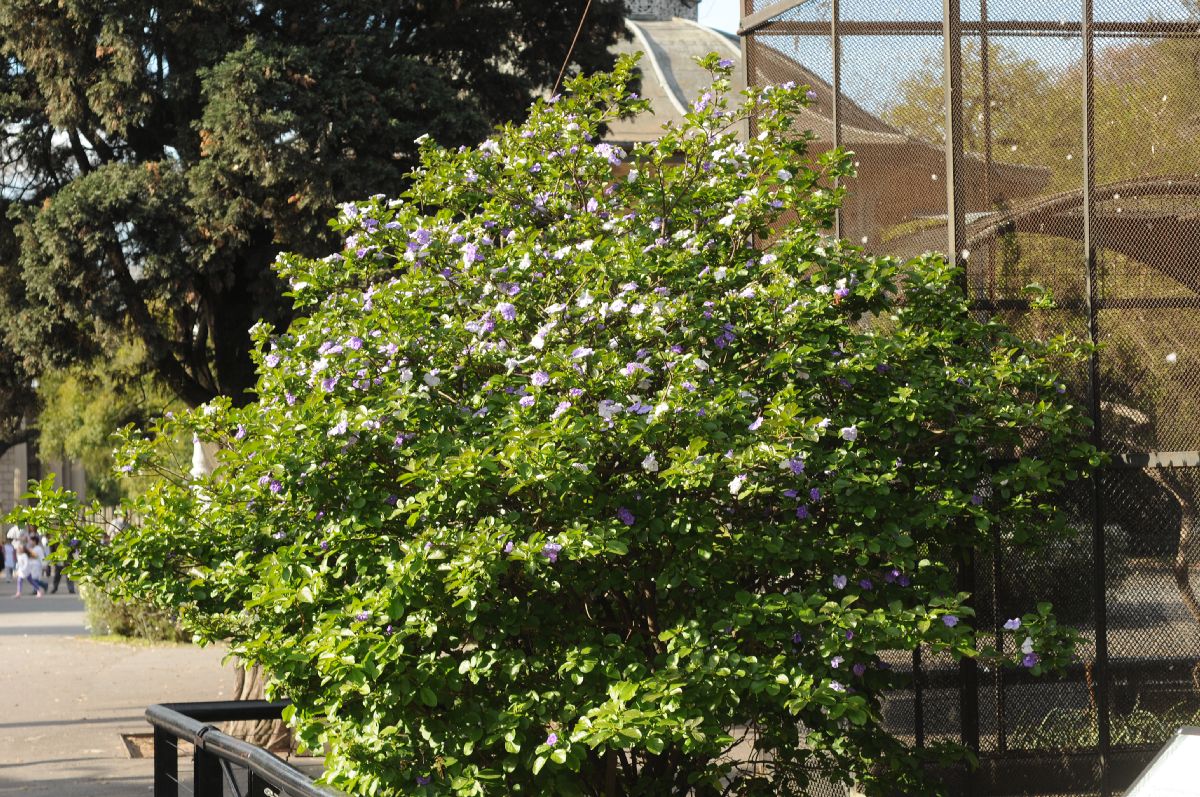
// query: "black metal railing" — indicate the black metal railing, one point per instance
point(221, 764)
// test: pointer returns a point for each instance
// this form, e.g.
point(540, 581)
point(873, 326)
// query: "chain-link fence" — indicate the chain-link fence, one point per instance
point(1055, 143)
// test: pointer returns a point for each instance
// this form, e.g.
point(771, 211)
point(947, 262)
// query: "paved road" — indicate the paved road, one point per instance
point(65, 699)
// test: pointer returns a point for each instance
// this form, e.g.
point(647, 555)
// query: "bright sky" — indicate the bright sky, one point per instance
point(720, 14)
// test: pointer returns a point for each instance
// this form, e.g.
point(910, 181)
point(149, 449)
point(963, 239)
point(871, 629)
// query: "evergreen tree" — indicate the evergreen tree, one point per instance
point(154, 157)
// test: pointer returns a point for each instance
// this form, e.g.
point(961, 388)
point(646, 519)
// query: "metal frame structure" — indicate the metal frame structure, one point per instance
point(1105, 766)
point(220, 760)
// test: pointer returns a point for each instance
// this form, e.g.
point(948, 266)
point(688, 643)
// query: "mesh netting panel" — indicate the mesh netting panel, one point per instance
point(1023, 161)
point(897, 202)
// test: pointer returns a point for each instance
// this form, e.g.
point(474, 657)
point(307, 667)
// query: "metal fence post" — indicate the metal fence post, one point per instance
point(1100, 669)
point(166, 764)
point(208, 780)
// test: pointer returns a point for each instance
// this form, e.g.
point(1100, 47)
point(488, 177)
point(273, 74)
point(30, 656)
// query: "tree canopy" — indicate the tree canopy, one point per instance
point(154, 157)
point(559, 486)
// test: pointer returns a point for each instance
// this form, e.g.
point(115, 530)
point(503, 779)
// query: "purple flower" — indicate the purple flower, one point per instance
point(527, 401)
point(802, 512)
point(625, 516)
point(470, 253)
point(507, 311)
point(540, 378)
point(272, 360)
point(575, 392)
point(422, 780)
point(837, 686)
point(324, 545)
point(795, 465)
point(240, 433)
point(329, 383)
point(841, 293)
point(850, 433)
point(355, 343)
point(866, 584)
point(976, 499)
point(840, 581)
point(725, 63)
point(387, 630)
point(849, 635)
point(290, 398)
point(552, 739)
point(950, 620)
point(275, 486)
point(1013, 624)
point(363, 616)
point(814, 494)
point(1030, 660)
point(550, 550)
point(559, 409)
point(754, 427)
point(797, 638)
point(263, 481)
point(329, 347)
point(508, 547)
point(859, 669)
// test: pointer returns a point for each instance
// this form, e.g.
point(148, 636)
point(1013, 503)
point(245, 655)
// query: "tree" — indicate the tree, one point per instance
point(557, 486)
point(155, 157)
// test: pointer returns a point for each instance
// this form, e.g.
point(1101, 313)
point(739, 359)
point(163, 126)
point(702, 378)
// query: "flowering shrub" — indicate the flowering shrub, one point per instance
point(560, 486)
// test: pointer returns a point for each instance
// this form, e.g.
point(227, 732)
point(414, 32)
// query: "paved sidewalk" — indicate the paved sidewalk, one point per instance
point(65, 699)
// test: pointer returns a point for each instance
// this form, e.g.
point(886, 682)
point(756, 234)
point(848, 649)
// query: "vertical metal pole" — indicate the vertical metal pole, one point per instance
point(257, 787)
point(955, 240)
point(918, 701)
point(985, 70)
point(749, 53)
point(1098, 550)
point(207, 779)
point(835, 34)
point(952, 82)
point(998, 628)
point(166, 764)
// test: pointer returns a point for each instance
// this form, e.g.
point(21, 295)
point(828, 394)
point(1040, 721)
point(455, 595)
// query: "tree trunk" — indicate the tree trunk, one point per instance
point(268, 734)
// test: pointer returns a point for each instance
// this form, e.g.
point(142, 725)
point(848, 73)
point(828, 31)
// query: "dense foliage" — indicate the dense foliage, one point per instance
point(158, 155)
point(561, 486)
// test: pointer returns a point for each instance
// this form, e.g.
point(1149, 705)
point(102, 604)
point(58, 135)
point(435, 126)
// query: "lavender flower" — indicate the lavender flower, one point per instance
point(552, 739)
point(551, 550)
point(1013, 624)
point(840, 581)
point(802, 512)
point(507, 311)
point(625, 516)
point(859, 669)
point(836, 662)
point(950, 620)
point(1029, 660)
point(540, 378)
point(849, 433)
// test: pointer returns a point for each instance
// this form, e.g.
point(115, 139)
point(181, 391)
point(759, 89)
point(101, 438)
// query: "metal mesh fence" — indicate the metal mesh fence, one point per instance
point(1075, 164)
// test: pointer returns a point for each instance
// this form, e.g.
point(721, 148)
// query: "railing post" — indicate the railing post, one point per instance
point(207, 776)
point(166, 764)
point(257, 787)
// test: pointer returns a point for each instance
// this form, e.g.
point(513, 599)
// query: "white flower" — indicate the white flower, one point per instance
point(490, 146)
point(735, 486)
point(406, 375)
point(432, 379)
point(617, 306)
point(726, 221)
point(608, 408)
point(555, 309)
point(850, 433)
point(585, 300)
point(1027, 646)
point(650, 463)
point(784, 174)
point(637, 309)
point(701, 365)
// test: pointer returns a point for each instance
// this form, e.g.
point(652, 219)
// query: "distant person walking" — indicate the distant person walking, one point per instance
point(29, 567)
